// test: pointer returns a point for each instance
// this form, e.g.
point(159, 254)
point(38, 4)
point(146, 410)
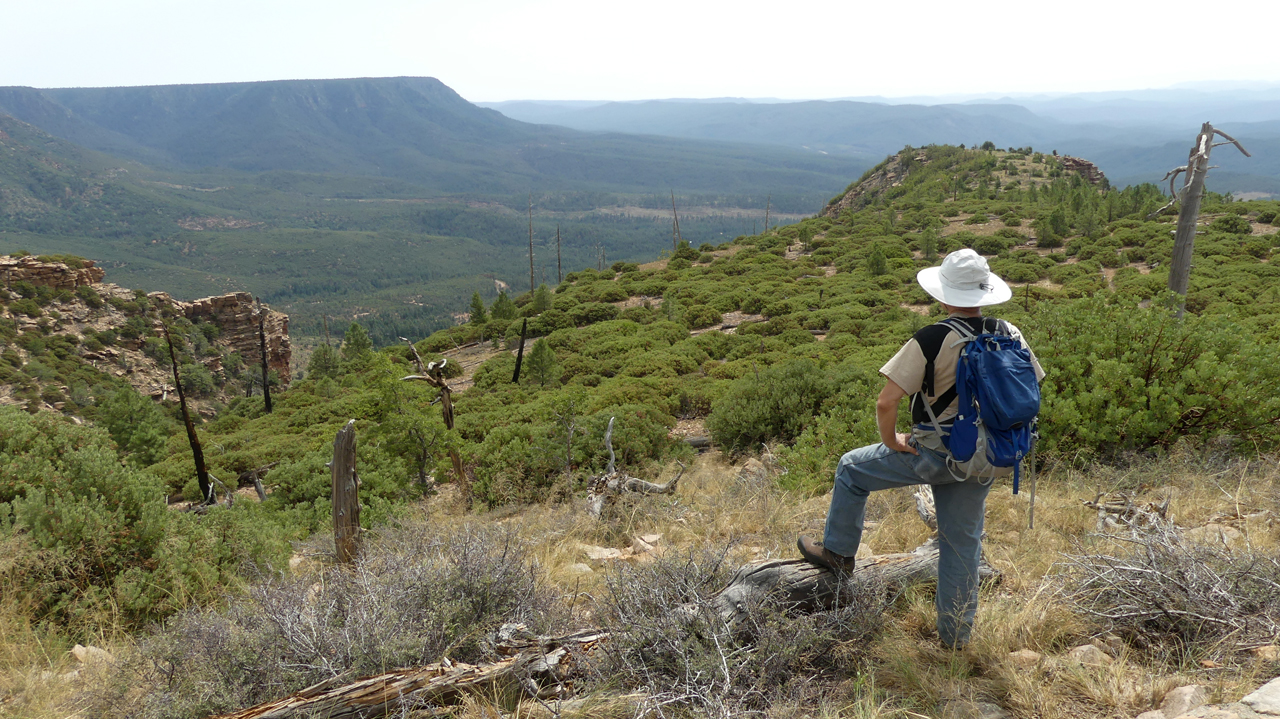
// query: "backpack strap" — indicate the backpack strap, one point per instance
point(944, 400)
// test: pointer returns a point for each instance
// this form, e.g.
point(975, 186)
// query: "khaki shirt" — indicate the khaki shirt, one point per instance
point(907, 368)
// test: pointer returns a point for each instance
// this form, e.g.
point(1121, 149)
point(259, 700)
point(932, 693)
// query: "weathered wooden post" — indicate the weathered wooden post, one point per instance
point(1190, 195)
point(346, 495)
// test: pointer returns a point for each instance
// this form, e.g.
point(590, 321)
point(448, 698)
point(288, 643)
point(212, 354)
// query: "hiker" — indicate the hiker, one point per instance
point(925, 369)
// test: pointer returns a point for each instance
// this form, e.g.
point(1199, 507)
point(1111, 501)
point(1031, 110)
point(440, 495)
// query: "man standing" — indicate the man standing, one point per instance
point(925, 369)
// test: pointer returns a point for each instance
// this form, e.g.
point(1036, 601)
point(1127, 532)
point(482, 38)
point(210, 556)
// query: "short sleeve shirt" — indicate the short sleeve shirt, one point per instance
point(908, 368)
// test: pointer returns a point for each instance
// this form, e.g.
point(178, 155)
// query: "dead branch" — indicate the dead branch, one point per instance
point(1126, 511)
point(611, 483)
point(537, 666)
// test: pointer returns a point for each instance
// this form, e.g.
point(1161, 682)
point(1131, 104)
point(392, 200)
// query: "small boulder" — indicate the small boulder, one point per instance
point(579, 568)
point(1025, 658)
point(651, 538)
point(639, 546)
point(1089, 655)
point(1183, 699)
point(90, 654)
point(1153, 714)
point(1266, 700)
point(600, 554)
point(1269, 653)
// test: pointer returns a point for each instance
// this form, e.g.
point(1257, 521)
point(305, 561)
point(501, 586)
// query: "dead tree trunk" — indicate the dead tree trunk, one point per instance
point(532, 287)
point(346, 495)
point(515, 376)
point(433, 374)
point(676, 236)
point(262, 350)
point(1190, 195)
point(197, 452)
point(559, 271)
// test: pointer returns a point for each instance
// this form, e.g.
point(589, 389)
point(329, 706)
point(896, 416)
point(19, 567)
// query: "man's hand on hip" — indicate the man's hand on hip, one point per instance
point(900, 444)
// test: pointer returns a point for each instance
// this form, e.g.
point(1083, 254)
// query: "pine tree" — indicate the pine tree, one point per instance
point(478, 315)
point(542, 298)
point(876, 262)
point(541, 364)
point(356, 342)
point(503, 308)
point(929, 244)
point(323, 363)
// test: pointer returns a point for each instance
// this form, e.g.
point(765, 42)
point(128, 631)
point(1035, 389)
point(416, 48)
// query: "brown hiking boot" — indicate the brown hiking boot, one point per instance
point(813, 551)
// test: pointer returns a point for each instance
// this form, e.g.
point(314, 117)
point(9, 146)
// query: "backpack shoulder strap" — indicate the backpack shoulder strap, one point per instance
point(944, 400)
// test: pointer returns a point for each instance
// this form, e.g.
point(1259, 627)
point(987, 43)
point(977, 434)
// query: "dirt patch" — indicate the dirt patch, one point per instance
point(918, 309)
point(638, 301)
point(686, 428)
point(469, 358)
point(729, 323)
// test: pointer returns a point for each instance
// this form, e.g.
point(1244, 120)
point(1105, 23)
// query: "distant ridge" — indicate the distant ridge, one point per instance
point(411, 128)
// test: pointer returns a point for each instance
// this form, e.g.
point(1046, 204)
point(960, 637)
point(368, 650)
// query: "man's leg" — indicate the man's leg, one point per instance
point(961, 509)
point(859, 473)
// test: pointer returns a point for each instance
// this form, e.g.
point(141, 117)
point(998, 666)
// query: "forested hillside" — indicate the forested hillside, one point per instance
point(387, 199)
point(766, 343)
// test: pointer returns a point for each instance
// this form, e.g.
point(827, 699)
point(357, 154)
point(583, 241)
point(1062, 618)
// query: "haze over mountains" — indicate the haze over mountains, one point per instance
point(1134, 137)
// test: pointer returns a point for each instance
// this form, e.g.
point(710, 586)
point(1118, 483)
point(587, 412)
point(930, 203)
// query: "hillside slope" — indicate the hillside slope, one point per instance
point(412, 128)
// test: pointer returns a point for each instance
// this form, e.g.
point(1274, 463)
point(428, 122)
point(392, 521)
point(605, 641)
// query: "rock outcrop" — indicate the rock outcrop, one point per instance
point(57, 275)
point(888, 174)
point(1084, 168)
point(237, 317)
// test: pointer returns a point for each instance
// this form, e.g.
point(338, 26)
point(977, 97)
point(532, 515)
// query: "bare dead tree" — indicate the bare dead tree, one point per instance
point(515, 376)
point(197, 452)
point(1190, 195)
point(768, 204)
point(532, 286)
point(676, 237)
point(612, 482)
point(262, 351)
point(433, 374)
point(559, 270)
point(326, 329)
point(346, 495)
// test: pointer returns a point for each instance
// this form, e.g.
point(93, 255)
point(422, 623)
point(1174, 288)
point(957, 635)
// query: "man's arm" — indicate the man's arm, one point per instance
point(887, 418)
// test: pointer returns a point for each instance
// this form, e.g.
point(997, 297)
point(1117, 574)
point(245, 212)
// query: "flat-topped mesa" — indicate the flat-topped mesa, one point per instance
point(58, 275)
point(237, 317)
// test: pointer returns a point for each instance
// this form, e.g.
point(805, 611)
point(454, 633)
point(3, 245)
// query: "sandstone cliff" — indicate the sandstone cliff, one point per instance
point(85, 309)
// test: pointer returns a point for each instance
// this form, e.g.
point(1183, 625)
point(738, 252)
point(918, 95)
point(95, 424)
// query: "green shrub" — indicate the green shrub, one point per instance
point(1234, 224)
point(110, 552)
point(592, 312)
point(700, 316)
point(26, 306)
point(777, 406)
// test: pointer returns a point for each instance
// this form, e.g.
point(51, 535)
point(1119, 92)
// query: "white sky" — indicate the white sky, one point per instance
point(490, 50)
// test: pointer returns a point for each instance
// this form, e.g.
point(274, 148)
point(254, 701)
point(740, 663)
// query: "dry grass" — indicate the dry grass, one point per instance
point(897, 672)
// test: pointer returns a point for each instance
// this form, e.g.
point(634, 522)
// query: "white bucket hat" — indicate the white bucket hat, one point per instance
point(964, 280)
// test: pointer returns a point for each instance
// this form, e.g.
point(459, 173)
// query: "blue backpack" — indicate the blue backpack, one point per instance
point(999, 399)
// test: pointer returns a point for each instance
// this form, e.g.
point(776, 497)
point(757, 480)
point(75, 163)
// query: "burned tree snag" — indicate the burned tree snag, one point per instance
point(262, 351)
point(532, 286)
point(559, 271)
point(197, 453)
point(515, 376)
point(433, 374)
point(612, 482)
point(346, 495)
point(1189, 196)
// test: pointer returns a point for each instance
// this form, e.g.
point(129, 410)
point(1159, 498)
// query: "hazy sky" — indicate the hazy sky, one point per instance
point(491, 50)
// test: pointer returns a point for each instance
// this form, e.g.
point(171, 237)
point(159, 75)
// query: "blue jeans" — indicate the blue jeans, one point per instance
point(961, 508)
